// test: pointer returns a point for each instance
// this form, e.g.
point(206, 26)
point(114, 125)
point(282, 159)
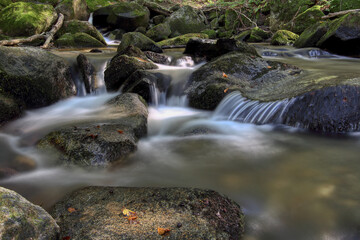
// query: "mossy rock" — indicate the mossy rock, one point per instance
point(20, 219)
point(78, 40)
point(284, 37)
point(210, 32)
point(73, 9)
point(342, 5)
point(159, 32)
point(258, 35)
point(123, 15)
point(138, 40)
point(93, 5)
point(243, 36)
point(231, 20)
point(306, 19)
point(9, 109)
point(26, 19)
point(76, 26)
point(51, 2)
point(343, 36)
point(158, 19)
point(222, 33)
point(4, 3)
point(186, 20)
point(311, 36)
point(182, 40)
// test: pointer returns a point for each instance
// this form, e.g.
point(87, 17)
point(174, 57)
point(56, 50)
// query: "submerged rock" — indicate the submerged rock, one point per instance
point(73, 9)
point(34, 76)
point(20, 219)
point(138, 40)
point(186, 20)
point(122, 15)
point(101, 142)
point(88, 73)
point(26, 19)
point(188, 214)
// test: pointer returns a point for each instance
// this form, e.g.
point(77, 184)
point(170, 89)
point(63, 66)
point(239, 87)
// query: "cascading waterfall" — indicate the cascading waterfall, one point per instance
point(235, 107)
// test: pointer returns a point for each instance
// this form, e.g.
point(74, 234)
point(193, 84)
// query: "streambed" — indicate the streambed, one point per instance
point(290, 183)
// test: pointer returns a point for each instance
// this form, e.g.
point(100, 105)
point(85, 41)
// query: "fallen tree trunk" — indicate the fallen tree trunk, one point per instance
point(13, 42)
point(53, 31)
point(335, 14)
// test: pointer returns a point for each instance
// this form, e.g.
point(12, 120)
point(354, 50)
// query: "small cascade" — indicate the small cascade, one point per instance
point(90, 20)
point(235, 107)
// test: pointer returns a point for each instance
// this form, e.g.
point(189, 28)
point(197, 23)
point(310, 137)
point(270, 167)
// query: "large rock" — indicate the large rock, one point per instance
point(187, 213)
point(87, 73)
point(73, 9)
point(181, 40)
point(101, 142)
point(306, 19)
point(78, 40)
point(343, 36)
point(311, 36)
point(159, 32)
point(250, 74)
point(186, 20)
point(20, 219)
point(76, 26)
point(329, 110)
point(26, 19)
point(121, 67)
point(256, 34)
point(94, 5)
point(124, 15)
point(34, 76)
point(284, 37)
point(139, 40)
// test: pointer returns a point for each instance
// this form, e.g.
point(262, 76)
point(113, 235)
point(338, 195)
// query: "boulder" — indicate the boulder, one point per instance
point(311, 36)
point(20, 219)
point(188, 213)
point(78, 40)
point(343, 36)
point(73, 9)
point(340, 5)
point(333, 109)
point(186, 20)
point(121, 67)
point(34, 76)
point(158, 58)
point(231, 20)
point(26, 19)
point(87, 73)
point(76, 26)
point(284, 37)
point(306, 19)
point(212, 34)
point(104, 141)
point(159, 32)
point(123, 15)
point(138, 40)
point(158, 19)
point(181, 40)
point(248, 73)
point(210, 49)
point(93, 5)
point(256, 34)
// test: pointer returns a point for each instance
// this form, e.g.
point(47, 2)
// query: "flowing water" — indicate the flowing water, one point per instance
point(290, 183)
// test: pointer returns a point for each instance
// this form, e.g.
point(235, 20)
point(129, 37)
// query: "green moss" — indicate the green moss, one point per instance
point(96, 4)
point(342, 5)
point(181, 40)
point(332, 27)
point(243, 35)
point(231, 20)
point(312, 35)
point(4, 3)
point(225, 34)
point(307, 19)
point(258, 35)
point(210, 32)
point(26, 19)
point(159, 32)
point(284, 37)
point(78, 40)
point(51, 2)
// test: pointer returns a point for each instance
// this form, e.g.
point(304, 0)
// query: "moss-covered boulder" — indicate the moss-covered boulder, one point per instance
point(158, 19)
point(9, 108)
point(73, 9)
point(186, 20)
point(93, 5)
point(26, 19)
point(121, 67)
point(188, 213)
point(248, 73)
point(343, 36)
point(182, 40)
point(231, 20)
point(341, 5)
point(103, 141)
point(20, 219)
point(159, 32)
point(4, 3)
point(123, 15)
point(311, 36)
point(76, 26)
point(284, 37)
point(306, 19)
point(138, 40)
point(34, 76)
point(283, 11)
point(258, 35)
point(212, 34)
point(78, 40)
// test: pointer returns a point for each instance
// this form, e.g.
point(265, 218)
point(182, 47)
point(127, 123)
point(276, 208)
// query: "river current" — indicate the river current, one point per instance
point(291, 184)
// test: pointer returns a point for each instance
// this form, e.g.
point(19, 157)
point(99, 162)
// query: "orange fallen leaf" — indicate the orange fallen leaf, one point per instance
point(163, 231)
point(120, 131)
point(140, 59)
point(227, 89)
point(224, 75)
point(269, 67)
point(93, 136)
point(71, 210)
point(98, 126)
